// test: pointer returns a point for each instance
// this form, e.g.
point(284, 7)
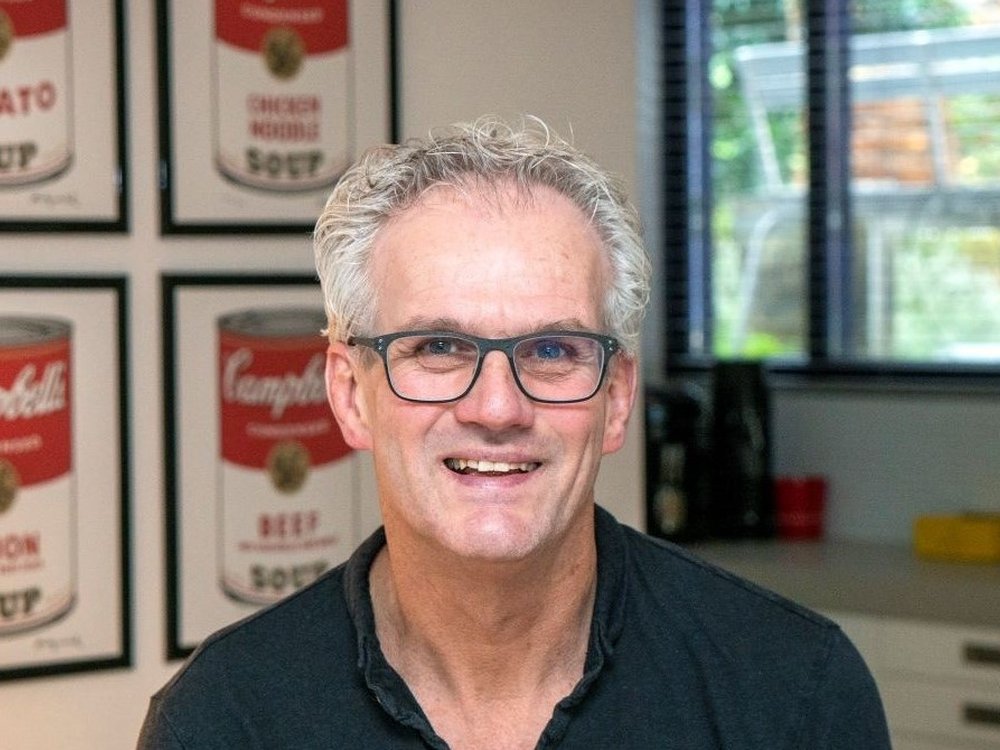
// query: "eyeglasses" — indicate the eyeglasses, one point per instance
point(556, 367)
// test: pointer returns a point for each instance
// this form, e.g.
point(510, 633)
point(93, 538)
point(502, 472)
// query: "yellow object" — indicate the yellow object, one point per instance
point(968, 537)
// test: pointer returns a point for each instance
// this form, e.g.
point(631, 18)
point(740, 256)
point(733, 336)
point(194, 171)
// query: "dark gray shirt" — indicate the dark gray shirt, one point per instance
point(681, 655)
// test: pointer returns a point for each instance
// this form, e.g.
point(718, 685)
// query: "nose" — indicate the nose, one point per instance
point(495, 401)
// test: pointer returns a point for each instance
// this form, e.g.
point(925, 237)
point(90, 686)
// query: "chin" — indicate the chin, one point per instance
point(496, 540)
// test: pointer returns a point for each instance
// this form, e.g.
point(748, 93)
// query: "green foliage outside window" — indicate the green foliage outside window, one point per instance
point(942, 277)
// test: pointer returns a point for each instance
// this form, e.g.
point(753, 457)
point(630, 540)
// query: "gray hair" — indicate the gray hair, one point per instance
point(486, 154)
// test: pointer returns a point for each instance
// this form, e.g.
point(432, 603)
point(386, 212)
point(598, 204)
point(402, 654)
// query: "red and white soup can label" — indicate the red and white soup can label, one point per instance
point(284, 490)
point(283, 96)
point(37, 492)
point(36, 124)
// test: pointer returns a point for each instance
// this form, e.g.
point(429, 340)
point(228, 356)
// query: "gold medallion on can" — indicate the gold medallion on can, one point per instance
point(6, 34)
point(288, 465)
point(284, 52)
point(9, 483)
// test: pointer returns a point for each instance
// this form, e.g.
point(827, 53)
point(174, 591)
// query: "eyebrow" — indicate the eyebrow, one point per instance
point(452, 325)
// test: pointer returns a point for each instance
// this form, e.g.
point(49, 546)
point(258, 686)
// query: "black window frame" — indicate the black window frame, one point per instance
point(683, 205)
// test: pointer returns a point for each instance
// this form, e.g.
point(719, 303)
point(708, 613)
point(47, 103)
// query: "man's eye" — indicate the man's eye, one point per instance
point(550, 350)
point(438, 346)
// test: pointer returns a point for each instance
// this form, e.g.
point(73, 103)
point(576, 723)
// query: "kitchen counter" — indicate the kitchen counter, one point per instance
point(866, 578)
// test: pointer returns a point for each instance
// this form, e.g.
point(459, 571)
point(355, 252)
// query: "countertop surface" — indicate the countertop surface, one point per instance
point(865, 578)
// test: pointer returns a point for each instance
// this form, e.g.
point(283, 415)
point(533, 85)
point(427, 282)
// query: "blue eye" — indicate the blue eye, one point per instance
point(442, 348)
point(550, 349)
point(439, 346)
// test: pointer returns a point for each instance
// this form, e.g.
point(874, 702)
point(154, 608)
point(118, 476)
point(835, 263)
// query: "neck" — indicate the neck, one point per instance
point(480, 628)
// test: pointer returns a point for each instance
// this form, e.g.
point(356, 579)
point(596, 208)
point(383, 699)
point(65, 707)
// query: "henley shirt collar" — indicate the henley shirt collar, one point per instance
point(392, 693)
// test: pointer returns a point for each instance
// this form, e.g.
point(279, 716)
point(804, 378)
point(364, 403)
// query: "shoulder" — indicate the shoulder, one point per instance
point(309, 617)
point(287, 675)
point(721, 622)
point(268, 659)
point(723, 635)
point(663, 574)
point(312, 631)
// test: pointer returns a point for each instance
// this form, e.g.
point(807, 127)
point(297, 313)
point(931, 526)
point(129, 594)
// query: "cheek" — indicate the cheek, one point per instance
point(582, 434)
point(401, 431)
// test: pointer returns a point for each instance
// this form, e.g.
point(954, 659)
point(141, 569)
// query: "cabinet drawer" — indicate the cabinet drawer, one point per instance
point(942, 651)
point(937, 651)
point(947, 711)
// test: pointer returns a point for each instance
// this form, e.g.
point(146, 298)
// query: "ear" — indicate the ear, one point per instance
point(622, 385)
point(346, 397)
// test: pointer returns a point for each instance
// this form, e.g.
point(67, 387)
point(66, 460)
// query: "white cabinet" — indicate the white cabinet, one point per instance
point(940, 683)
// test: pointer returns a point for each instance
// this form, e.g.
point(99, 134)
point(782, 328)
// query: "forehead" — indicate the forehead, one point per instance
point(506, 261)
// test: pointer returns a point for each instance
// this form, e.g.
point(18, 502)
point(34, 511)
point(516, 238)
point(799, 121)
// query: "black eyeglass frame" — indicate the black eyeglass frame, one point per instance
point(484, 346)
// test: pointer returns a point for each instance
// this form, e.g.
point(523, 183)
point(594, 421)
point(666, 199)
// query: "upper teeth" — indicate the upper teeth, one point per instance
point(458, 464)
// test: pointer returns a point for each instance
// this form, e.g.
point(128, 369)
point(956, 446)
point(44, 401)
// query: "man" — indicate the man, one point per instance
point(485, 290)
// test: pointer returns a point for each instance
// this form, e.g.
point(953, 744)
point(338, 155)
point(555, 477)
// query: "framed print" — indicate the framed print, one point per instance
point(262, 491)
point(64, 479)
point(62, 114)
point(263, 104)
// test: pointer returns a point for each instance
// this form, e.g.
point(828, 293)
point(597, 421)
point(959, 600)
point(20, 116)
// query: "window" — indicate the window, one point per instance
point(831, 182)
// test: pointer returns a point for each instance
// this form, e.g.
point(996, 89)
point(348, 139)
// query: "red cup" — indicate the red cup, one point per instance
point(800, 503)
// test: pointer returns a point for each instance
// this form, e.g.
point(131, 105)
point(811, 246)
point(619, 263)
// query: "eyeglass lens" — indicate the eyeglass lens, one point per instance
point(441, 368)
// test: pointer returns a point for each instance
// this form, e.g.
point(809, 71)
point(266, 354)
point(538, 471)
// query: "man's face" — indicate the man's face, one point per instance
point(459, 263)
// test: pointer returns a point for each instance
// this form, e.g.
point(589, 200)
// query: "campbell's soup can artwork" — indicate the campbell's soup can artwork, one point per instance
point(37, 492)
point(283, 100)
point(285, 490)
point(36, 133)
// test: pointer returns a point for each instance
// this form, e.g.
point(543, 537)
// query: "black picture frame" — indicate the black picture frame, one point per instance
point(193, 306)
point(204, 191)
point(85, 185)
point(88, 505)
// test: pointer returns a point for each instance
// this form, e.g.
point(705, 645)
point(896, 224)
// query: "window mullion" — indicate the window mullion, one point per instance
point(686, 134)
point(829, 201)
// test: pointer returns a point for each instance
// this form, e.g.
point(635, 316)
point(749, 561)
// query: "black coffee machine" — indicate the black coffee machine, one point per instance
point(708, 460)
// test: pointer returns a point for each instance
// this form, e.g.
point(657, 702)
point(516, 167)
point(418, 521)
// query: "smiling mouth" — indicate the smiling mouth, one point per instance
point(489, 468)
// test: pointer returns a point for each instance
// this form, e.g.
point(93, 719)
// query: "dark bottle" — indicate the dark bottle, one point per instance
point(742, 503)
point(674, 495)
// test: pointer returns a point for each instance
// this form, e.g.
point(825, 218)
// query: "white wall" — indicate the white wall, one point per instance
point(891, 456)
point(572, 64)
